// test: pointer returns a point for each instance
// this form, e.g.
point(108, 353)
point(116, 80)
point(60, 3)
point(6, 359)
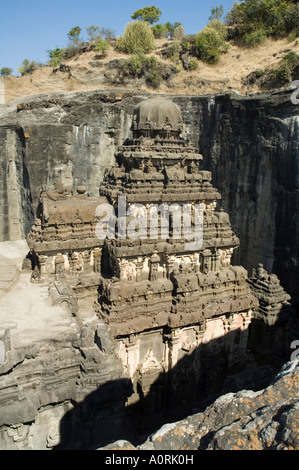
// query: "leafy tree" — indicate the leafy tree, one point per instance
point(160, 31)
point(149, 14)
point(271, 17)
point(137, 38)
point(216, 13)
point(93, 32)
point(171, 28)
point(74, 35)
point(56, 56)
point(254, 38)
point(6, 72)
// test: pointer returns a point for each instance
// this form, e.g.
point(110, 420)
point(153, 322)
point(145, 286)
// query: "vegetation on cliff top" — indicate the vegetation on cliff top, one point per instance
point(248, 24)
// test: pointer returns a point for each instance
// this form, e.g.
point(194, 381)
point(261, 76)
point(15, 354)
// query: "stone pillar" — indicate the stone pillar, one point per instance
point(230, 326)
point(42, 263)
point(131, 362)
point(59, 264)
point(87, 261)
point(97, 252)
point(139, 267)
point(247, 316)
point(174, 348)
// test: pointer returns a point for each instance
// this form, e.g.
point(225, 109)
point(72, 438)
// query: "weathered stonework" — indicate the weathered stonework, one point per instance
point(178, 317)
point(275, 323)
point(156, 323)
point(250, 146)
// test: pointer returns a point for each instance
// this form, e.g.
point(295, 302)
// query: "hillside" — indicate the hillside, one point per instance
point(90, 70)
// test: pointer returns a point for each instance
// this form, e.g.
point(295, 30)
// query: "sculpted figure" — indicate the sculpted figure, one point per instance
point(59, 192)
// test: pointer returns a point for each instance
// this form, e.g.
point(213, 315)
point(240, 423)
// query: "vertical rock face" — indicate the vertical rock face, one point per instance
point(16, 214)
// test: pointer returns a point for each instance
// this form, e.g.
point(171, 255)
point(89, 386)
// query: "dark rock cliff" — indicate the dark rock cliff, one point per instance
point(249, 143)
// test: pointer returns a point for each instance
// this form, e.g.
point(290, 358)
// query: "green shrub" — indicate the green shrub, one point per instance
point(193, 64)
point(175, 49)
point(280, 74)
point(28, 67)
point(150, 68)
point(137, 38)
point(220, 27)
point(292, 19)
point(186, 44)
point(160, 31)
point(134, 65)
point(154, 77)
point(284, 71)
point(56, 57)
point(292, 37)
point(102, 45)
point(273, 17)
point(291, 59)
point(210, 45)
point(254, 38)
point(259, 73)
point(5, 72)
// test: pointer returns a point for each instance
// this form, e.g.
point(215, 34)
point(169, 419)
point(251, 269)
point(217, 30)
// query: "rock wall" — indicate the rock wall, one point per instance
point(16, 212)
point(249, 143)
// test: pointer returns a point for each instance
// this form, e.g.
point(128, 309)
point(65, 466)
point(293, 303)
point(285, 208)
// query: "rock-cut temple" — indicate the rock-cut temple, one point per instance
point(176, 314)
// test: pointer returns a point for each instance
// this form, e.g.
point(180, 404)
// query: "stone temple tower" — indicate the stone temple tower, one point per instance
point(156, 316)
point(178, 310)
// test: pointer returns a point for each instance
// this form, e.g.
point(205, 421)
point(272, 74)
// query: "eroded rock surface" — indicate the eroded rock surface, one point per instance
point(247, 420)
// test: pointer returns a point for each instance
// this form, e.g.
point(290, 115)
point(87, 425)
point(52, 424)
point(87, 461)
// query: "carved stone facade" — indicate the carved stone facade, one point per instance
point(275, 323)
point(177, 311)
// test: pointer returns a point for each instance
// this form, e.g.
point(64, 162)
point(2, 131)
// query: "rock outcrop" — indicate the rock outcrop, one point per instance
point(246, 420)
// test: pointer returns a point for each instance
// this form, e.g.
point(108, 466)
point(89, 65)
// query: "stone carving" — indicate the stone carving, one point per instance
point(172, 288)
point(61, 294)
point(275, 323)
point(272, 297)
point(162, 307)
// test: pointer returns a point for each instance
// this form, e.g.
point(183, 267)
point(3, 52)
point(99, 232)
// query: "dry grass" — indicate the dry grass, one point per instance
point(227, 75)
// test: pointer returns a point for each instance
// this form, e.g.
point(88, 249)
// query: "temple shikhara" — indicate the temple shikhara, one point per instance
point(177, 314)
